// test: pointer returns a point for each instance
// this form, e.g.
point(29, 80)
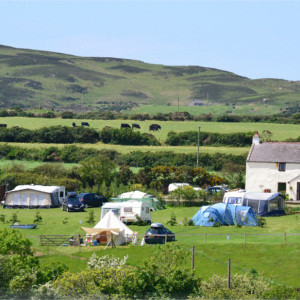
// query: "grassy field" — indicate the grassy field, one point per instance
point(280, 131)
point(128, 149)
point(217, 109)
point(266, 254)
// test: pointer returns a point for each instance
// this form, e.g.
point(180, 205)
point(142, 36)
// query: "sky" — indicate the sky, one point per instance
point(256, 39)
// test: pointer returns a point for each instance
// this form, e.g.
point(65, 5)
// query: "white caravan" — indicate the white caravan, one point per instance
point(128, 211)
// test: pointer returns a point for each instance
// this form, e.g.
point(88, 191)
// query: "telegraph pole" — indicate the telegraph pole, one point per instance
point(198, 146)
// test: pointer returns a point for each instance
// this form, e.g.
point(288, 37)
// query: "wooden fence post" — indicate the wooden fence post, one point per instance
point(204, 238)
point(285, 238)
point(229, 273)
point(193, 259)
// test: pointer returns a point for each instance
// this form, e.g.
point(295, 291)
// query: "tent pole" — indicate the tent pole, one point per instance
point(193, 260)
point(229, 272)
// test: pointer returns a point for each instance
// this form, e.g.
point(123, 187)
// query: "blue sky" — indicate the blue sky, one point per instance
point(257, 39)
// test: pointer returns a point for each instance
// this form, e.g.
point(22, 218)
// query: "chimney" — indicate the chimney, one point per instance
point(256, 139)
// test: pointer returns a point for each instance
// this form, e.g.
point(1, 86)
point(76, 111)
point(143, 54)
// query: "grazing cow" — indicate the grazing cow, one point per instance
point(74, 124)
point(85, 124)
point(124, 125)
point(134, 125)
point(154, 127)
point(3, 125)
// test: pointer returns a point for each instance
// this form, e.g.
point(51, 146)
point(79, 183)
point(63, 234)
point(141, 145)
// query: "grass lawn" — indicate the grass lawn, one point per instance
point(280, 131)
point(127, 149)
point(266, 254)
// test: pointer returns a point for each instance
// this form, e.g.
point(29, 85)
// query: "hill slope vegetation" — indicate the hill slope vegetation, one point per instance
point(31, 78)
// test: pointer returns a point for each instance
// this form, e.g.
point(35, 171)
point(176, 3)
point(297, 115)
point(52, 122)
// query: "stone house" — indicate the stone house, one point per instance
point(274, 167)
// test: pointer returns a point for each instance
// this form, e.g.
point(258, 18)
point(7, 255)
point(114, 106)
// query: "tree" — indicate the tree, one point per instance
point(13, 242)
point(96, 171)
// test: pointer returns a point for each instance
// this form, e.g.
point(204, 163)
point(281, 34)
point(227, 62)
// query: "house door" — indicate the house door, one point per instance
point(298, 190)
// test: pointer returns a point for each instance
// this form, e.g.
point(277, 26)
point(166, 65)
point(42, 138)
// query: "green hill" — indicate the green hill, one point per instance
point(32, 79)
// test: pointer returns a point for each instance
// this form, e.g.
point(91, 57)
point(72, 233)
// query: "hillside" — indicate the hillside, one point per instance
point(33, 79)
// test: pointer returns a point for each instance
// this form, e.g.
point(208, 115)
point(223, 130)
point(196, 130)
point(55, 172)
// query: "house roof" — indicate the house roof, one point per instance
point(274, 152)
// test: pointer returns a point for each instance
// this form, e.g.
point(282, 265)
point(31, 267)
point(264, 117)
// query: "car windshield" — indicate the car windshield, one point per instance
point(73, 200)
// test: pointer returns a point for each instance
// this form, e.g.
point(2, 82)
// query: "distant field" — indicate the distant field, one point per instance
point(280, 131)
point(216, 109)
point(128, 149)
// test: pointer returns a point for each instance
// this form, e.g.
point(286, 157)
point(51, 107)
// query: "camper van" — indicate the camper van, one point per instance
point(128, 211)
point(263, 204)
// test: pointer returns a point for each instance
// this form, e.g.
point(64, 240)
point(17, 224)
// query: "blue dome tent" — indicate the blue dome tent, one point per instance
point(224, 214)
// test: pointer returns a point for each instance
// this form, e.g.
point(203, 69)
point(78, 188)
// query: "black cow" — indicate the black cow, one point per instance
point(3, 125)
point(74, 124)
point(134, 125)
point(85, 124)
point(154, 127)
point(124, 125)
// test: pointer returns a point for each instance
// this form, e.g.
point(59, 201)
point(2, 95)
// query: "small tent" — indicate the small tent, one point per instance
point(110, 227)
point(154, 203)
point(34, 196)
point(224, 214)
point(263, 204)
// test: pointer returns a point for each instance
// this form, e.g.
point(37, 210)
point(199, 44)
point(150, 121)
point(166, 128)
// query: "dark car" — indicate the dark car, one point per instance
point(72, 203)
point(92, 199)
point(158, 234)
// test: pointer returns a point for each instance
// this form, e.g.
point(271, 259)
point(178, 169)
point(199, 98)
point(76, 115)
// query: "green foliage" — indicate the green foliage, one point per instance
point(96, 171)
point(12, 241)
point(14, 218)
point(173, 220)
point(38, 218)
point(261, 222)
point(2, 218)
point(91, 218)
point(65, 220)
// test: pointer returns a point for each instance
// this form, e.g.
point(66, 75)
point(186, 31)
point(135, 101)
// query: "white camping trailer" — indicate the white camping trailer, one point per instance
point(34, 196)
point(128, 211)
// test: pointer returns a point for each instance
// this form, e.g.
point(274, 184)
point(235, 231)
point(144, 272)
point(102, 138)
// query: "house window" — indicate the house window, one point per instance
point(281, 187)
point(281, 167)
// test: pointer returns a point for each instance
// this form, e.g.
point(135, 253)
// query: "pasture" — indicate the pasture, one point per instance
point(280, 131)
point(268, 255)
point(123, 149)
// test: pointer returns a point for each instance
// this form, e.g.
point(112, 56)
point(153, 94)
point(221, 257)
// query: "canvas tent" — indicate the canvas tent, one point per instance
point(110, 227)
point(224, 214)
point(263, 204)
point(34, 196)
point(154, 203)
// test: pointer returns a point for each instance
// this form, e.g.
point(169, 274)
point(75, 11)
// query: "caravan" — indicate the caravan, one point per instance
point(128, 211)
point(34, 196)
point(263, 204)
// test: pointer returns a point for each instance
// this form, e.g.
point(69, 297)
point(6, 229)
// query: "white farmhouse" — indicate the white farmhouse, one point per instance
point(273, 167)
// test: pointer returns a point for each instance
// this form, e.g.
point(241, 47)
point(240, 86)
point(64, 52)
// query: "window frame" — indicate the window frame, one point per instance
point(281, 164)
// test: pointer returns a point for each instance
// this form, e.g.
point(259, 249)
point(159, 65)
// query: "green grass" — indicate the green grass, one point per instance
point(128, 149)
point(217, 109)
point(280, 131)
point(28, 165)
point(267, 254)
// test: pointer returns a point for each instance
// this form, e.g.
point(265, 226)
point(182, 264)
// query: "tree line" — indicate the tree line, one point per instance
point(281, 118)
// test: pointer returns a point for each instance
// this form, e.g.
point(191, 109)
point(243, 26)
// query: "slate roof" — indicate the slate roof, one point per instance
point(275, 152)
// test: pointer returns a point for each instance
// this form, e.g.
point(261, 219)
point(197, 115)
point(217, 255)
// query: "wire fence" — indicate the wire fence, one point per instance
point(180, 238)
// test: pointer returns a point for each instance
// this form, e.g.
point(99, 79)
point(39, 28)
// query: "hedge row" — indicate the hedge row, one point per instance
point(290, 117)
point(241, 139)
point(69, 135)
point(74, 154)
